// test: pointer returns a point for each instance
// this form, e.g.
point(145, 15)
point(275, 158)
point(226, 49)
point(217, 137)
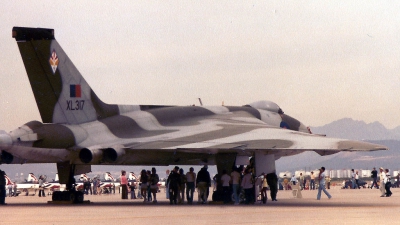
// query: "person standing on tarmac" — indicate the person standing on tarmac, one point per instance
point(143, 186)
point(190, 184)
point(247, 185)
point(2, 188)
point(302, 181)
point(321, 186)
point(149, 199)
point(264, 196)
point(181, 196)
point(203, 181)
point(154, 183)
point(388, 183)
point(41, 188)
point(272, 181)
point(124, 185)
point(374, 176)
point(226, 180)
point(312, 181)
point(235, 175)
point(382, 177)
point(174, 179)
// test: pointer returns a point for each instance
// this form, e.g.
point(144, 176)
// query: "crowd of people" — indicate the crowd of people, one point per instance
point(240, 186)
point(306, 183)
point(381, 181)
point(384, 182)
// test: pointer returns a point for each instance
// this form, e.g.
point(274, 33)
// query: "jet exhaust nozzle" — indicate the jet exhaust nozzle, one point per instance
point(5, 140)
point(6, 157)
point(87, 155)
point(113, 154)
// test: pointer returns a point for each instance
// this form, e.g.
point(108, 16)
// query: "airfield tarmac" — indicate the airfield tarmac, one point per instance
point(346, 207)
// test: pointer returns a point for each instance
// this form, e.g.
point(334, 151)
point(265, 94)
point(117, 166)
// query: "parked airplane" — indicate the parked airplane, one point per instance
point(110, 182)
point(30, 185)
point(132, 177)
point(53, 185)
point(79, 130)
point(14, 191)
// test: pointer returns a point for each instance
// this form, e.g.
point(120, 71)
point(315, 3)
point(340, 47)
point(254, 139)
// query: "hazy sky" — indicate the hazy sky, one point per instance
point(320, 61)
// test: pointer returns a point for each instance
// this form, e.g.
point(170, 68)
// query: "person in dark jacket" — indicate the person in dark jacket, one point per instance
point(2, 188)
point(203, 182)
point(174, 180)
point(374, 176)
point(272, 181)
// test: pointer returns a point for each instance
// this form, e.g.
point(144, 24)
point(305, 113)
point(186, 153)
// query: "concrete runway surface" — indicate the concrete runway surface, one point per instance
point(360, 206)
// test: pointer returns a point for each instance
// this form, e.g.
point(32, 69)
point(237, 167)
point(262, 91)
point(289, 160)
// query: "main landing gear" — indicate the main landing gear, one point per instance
point(66, 173)
point(72, 196)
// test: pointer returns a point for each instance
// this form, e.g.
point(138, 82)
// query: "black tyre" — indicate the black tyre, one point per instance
point(72, 196)
point(79, 197)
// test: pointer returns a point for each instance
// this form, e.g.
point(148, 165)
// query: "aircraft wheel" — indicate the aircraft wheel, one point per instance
point(57, 196)
point(79, 197)
point(72, 197)
point(242, 197)
point(65, 196)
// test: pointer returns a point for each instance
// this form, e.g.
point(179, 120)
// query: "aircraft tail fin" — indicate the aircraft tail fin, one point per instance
point(108, 176)
point(132, 176)
point(61, 93)
point(8, 180)
point(32, 178)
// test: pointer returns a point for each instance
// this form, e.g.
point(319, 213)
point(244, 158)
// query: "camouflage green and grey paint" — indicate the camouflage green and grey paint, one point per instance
point(79, 128)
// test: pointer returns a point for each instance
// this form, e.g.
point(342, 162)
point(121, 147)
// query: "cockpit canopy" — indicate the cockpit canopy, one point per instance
point(273, 115)
point(267, 105)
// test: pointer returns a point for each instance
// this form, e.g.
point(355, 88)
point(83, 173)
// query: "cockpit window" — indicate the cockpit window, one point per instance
point(284, 125)
point(267, 105)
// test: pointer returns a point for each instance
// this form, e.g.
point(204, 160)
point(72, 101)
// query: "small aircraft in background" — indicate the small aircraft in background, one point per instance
point(14, 191)
point(110, 183)
point(53, 185)
point(30, 185)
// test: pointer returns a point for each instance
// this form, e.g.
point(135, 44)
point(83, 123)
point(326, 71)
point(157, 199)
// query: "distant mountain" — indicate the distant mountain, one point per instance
point(350, 129)
point(358, 130)
point(344, 160)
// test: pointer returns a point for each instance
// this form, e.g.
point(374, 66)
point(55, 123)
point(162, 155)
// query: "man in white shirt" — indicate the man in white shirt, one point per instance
point(312, 181)
point(293, 180)
point(353, 179)
point(225, 179)
point(321, 187)
point(382, 176)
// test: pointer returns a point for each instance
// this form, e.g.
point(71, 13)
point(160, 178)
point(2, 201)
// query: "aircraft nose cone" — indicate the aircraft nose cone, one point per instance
point(5, 140)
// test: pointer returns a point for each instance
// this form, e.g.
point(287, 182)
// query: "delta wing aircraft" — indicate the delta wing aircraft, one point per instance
point(79, 130)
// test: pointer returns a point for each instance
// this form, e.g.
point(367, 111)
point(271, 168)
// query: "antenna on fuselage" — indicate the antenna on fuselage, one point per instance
point(201, 103)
